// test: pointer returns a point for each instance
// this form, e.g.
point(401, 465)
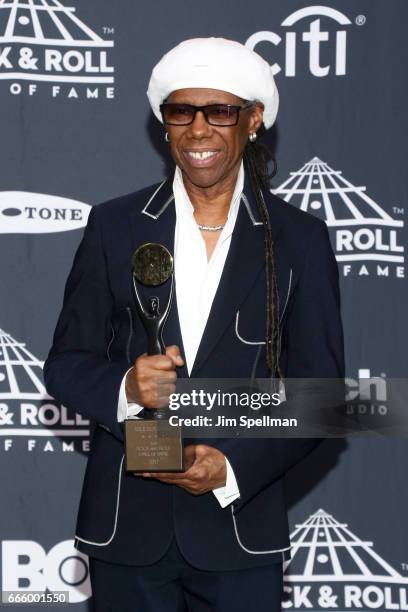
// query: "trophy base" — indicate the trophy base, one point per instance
point(153, 446)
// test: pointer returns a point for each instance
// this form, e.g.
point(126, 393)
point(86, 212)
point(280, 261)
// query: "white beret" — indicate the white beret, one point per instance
point(215, 63)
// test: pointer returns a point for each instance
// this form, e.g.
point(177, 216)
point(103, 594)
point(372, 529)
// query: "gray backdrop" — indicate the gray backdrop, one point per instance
point(76, 130)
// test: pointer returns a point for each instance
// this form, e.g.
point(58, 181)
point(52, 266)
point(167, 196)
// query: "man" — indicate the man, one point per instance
point(256, 295)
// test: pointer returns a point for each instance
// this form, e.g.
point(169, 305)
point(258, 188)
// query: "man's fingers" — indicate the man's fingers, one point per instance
point(168, 477)
point(163, 362)
point(191, 476)
point(160, 397)
point(189, 460)
point(153, 378)
point(195, 488)
point(206, 470)
point(189, 456)
point(173, 352)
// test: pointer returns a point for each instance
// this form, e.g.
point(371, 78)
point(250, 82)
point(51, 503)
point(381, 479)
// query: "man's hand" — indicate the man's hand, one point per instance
point(206, 470)
point(153, 378)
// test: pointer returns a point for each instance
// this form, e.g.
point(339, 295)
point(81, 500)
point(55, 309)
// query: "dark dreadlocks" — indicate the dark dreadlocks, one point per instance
point(256, 159)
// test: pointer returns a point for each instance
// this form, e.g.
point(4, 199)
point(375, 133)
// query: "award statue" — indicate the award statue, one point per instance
point(151, 443)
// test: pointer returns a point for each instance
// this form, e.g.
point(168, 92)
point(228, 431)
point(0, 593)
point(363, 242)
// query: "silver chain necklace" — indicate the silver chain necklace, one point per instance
point(210, 228)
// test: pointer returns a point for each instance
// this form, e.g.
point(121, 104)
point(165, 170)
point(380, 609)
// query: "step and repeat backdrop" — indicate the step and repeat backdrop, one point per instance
point(76, 129)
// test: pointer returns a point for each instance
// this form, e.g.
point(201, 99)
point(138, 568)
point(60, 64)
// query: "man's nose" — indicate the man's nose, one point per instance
point(200, 126)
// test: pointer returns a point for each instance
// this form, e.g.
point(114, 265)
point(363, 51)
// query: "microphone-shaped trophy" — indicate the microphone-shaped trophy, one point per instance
point(151, 443)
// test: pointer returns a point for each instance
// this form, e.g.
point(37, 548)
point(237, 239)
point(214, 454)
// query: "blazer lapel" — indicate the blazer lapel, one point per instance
point(156, 223)
point(243, 264)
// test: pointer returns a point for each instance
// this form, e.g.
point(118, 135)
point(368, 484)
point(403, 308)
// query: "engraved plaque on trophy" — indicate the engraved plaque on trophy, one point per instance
point(151, 443)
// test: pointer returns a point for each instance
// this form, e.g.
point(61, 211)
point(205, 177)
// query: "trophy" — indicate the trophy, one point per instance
point(151, 443)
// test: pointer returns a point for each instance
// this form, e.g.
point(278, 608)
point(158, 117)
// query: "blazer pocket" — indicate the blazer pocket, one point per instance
point(101, 491)
point(250, 322)
point(245, 333)
point(281, 551)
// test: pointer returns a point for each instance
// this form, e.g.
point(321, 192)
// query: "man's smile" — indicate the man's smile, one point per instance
point(199, 158)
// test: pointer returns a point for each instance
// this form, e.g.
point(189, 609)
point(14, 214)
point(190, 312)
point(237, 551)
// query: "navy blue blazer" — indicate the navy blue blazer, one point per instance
point(131, 520)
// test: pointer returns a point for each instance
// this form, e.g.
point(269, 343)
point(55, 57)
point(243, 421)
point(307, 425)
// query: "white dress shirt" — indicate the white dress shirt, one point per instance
point(196, 282)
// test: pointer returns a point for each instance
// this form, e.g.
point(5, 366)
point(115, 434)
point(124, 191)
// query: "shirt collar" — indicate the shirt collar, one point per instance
point(185, 208)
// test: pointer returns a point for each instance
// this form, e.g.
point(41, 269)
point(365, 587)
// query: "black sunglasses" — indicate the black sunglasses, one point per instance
point(222, 115)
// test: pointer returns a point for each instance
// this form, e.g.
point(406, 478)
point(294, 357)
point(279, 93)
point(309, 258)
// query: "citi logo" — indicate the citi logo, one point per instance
point(29, 417)
point(23, 212)
point(333, 35)
point(46, 42)
point(361, 229)
point(333, 569)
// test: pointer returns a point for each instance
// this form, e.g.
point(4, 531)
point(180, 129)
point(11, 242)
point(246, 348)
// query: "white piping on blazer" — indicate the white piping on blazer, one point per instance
point(250, 342)
point(115, 524)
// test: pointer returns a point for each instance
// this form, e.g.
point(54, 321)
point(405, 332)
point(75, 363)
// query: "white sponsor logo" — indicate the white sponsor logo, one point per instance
point(367, 395)
point(22, 212)
point(28, 415)
point(28, 567)
point(314, 38)
point(333, 569)
point(361, 228)
point(46, 42)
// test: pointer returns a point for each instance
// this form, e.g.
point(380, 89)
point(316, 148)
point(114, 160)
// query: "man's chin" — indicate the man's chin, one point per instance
point(202, 178)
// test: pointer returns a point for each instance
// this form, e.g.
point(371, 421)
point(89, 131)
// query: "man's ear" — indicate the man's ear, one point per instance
point(256, 117)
